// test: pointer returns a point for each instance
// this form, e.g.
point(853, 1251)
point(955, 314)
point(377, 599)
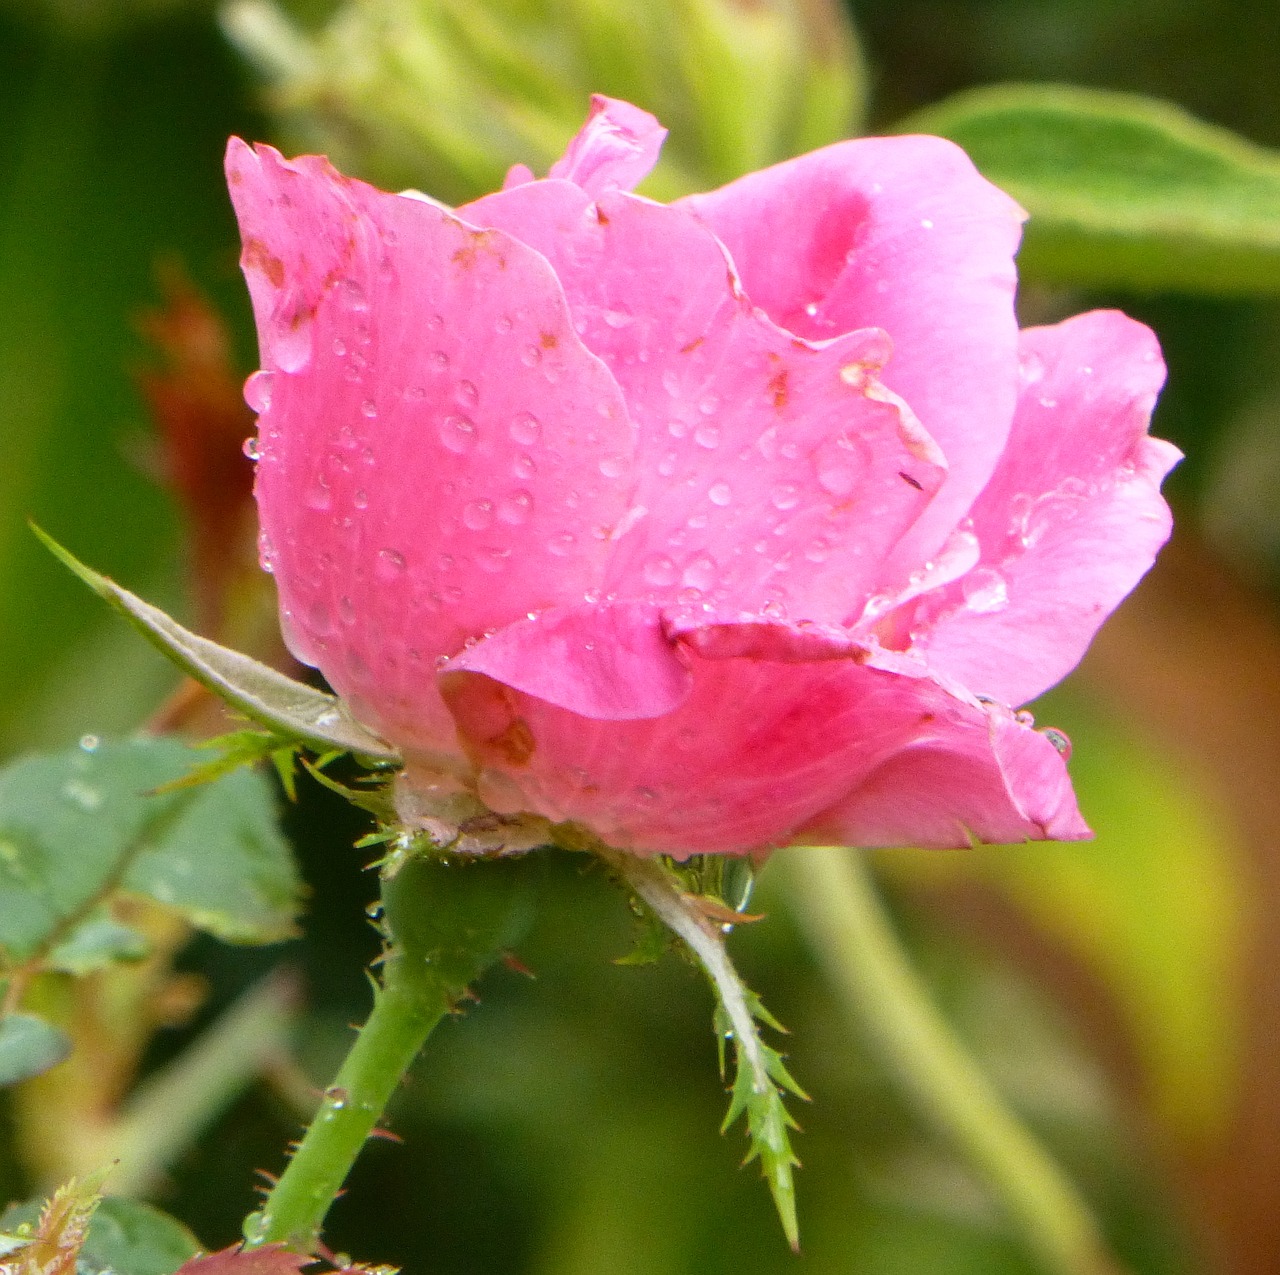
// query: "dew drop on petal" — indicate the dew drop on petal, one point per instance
point(838, 468)
point(720, 494)
point(707, 436)
point(467, 394)
point(360, 499)
point(318, 496)
point(613, 466)
point(525, 428)
point(257, 391)
point(478, 515)
point(458, 434)
point(251, 448)
point(618, 317)
point(531, 356)
point(391, 564)
point(985, 591)
point(514, 510)
point(667, 465)
point(369, 409)
point(346, 611)
point(700, 573)
point(562, 544)
point(671, 383)
point(659, 571)
point(784, 497)
point(523, 467)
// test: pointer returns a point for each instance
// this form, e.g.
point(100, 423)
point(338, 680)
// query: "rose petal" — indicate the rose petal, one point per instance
point(772, 474)
point(900, 233)
point(758, 752)
point(1072, 518)
point(954, 791)
point(615, 149)
point(432, 432)
point(609, 662)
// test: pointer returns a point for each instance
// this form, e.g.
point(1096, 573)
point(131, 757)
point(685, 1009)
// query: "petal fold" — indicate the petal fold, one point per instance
point(615, 149)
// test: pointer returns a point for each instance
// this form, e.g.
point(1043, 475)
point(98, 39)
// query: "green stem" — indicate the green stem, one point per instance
point(405, 1009)
point(845, 923)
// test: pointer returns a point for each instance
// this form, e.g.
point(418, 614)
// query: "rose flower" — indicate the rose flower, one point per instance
point(709, 526)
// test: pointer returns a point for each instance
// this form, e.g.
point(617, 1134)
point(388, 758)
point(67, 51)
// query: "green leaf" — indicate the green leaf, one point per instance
point(99, 941)
point(78, 826)
point(29, 1047)
point(1123, 190)
point(289, 709)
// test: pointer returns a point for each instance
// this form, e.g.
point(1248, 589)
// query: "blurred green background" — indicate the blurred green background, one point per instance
point(1123, 994)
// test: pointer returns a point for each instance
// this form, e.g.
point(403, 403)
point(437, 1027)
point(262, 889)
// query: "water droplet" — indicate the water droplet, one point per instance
point(817, 551)
point(290, 342)
point(439, 360)
point(1048, 402)
point(339, 346)
point(659, 571)
point(785, 497)
point(926, 224)
point(523, 467)
point(467, 394)
point(82, 795)
point(697, 522)
point(700, 573)
point(257, 391)
point(531, 356)
point(346, 611)
point(618, 317)
point(436, 322)
point(319, 497)
point(708, 436)
point(985, 591)
point(266, 555)
point(774, 610)
point(525, 428)
point(1058, 740)
point(614, 466)
point(667, 465)
point(503, 325)
point(562, 544)
point(671, 383)
point(251, 448)
point(369, 409)
point(492, 559)
point(458, 434)
point(839, 468)
point(720, 494)
point(415, 394)
point(515, 509)
point(360, 499)
point(1031, 367)
point(812, 309)
point(478, 515)
point(708, 404)
point(391, 564)
point(89, 743)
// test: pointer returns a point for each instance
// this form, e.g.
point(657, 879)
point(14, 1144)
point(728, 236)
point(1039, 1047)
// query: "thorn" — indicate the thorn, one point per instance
point(385, 1135)
point(514, 963)
point(269, 1178)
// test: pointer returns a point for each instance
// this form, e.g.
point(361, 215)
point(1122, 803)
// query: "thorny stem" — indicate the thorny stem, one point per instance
point(839, 911)
point(679, 911)
point(405, 1009)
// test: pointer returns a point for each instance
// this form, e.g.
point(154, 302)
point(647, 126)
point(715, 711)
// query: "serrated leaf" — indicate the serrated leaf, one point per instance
point(94, 943)
point(55, 1239)
point(29, 1047)
point(1123, 190)
point(287, 708)
point(77, 826)
point(128, 1237)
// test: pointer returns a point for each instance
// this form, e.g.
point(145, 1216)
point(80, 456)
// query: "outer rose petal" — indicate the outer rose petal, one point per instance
point(432, 432)
point(773, 475)
point(900, 233)
point(1072, 518)
point(759, 752)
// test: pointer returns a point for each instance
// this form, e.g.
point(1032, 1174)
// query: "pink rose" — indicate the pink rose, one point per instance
point(711, 525)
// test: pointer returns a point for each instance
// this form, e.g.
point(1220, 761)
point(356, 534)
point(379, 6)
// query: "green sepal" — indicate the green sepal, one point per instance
point(96, 942)
point(290, 710)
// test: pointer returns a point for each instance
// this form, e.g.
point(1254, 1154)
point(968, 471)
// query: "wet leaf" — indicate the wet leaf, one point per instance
point(79, 826)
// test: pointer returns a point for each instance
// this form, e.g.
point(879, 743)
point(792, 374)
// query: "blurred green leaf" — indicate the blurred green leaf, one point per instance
point(77, 826)
point(98, 941)
point(1123, 190)
point(29, 1047)
point(291, 709)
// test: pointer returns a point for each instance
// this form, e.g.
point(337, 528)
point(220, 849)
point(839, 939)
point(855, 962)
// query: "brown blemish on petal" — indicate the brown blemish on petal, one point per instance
point(549, 340)
point(600, 217)
point(778, 389)
point(693, 345)
point(256, 256)
point(911, 482)
point(515, 745)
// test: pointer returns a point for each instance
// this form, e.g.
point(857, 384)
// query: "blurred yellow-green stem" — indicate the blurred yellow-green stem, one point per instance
point(840, 913)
